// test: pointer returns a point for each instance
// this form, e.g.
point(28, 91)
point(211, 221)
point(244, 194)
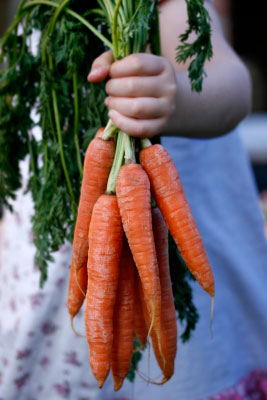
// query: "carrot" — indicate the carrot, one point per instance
point(77, 289)
point(97, 164)
point(140, 328)
point(123, 333)
point(168, 314)
point(133, 192)
point(168, 192)
point(105, 243)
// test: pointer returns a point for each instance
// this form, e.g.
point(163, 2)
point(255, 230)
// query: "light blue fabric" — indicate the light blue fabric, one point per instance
point(219, 186)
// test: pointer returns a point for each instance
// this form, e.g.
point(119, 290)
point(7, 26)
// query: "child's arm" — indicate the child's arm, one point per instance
point(149, 95)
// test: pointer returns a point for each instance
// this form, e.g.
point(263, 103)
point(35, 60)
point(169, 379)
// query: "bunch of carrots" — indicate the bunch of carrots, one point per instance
point(120, 253)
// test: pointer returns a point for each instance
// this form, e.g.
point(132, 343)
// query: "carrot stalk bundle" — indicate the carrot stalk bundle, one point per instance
point(123, 332)
point(105, 243)
point(133, 192)
point(167, 190)
point(97, 165)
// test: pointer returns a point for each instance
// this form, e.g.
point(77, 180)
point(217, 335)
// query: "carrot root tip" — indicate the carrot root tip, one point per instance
point(72, 327)
point(101, 383)
point(118, 384)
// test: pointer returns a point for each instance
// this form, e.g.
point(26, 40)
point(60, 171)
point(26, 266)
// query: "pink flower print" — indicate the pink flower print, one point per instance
point(48, 328)
point(5, 362)
point(63, 389)
point(13, 305)
point(85, 385)
point(82, 398)
point(252, 387)
point(17, 218)
point(60, 282)
point(36, 299)
point(1, 378)
point(15, 273)
point(30, 236)
point(21, 381)
point(88, 385)
point(55, 309)
point(23, 354)
point(66, 372)
point(44, 362)
point(30, 333)
point(65, 265)
point(40, 388)
point(71, 358)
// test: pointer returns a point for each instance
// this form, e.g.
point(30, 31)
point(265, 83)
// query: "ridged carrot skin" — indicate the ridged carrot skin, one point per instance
point(123, 332)
point(133, 193)
point(168, 192)
point(76, 292)
point(140, 327)
point(97, 165)
point(105, 243)
point(168, 330)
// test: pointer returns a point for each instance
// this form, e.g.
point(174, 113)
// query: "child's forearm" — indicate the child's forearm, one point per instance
point(224, 101)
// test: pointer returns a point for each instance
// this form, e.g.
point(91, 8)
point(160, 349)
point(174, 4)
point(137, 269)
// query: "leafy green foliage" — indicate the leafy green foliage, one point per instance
point(201, 48)
point(136, 357)
point(27, 84)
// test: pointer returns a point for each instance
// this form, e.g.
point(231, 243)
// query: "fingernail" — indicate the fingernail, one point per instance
point(94, 72)
point(110, 113)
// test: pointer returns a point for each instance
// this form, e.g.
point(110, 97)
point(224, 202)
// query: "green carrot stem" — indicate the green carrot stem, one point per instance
point(56, 15)
point(91, 27)
point(117, 163)
point(114, 29)
point(76, 123)
point(145, 143)
point(109, 131)
point(129, 150)
point(70, 12)
point(60, 142)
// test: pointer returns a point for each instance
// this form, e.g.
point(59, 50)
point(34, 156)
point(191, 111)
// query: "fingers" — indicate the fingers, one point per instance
point(100, 67)
point(142, 128)
point(141, 91)
point(146, 86)
point(139, 107)
point(141, 64)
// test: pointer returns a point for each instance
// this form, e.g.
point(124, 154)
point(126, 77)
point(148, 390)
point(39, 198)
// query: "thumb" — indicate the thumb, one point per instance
point(100, 67)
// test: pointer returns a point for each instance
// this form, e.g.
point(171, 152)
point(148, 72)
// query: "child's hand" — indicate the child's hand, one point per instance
point(141, 91)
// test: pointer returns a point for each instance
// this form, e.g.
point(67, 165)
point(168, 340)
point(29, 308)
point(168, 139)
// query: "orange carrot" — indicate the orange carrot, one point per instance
point(168, 314)
point(133, 192)
point(140, 328)
point(97, 165)
point(77, 290)
point(105, 242)
point(168, 192)
point(123, 333)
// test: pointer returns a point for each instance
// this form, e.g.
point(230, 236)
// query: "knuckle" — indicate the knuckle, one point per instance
point(130, 86)
point(136, 62)
point(136, 107)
